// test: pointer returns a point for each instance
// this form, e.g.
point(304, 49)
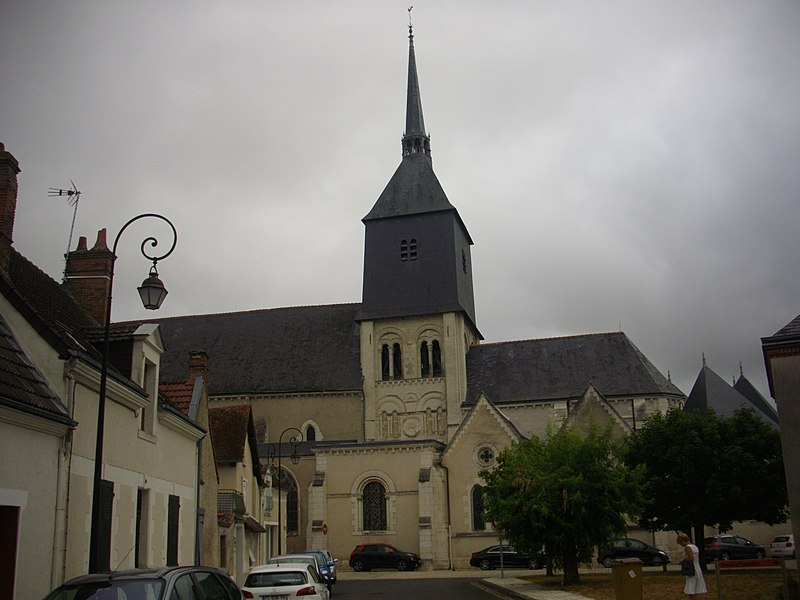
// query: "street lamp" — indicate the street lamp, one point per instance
point(295, 441)
point(152, 293)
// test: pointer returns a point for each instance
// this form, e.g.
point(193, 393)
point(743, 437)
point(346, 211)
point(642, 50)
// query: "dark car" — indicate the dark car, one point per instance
point(489, 558)
point(189, 583)
point(731, 547)
point(377, 555)
point(631, 548)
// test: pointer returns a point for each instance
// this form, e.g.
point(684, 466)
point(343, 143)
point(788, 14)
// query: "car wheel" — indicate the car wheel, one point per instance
point(402, 565)
point(607, 561)
point(759, 554)
point(658, 561)
point(534, 564)
point(358, 565)
point(724, 556)
point(485, 564)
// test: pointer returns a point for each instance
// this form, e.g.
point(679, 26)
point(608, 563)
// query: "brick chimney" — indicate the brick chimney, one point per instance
point(198, 365)
point(88, 275)
point(9, 168)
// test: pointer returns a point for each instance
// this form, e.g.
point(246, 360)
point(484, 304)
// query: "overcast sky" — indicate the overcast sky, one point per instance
point(630, 165)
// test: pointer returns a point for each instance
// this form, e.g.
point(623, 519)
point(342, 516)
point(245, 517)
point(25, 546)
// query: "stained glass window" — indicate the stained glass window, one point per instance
point(374, 506)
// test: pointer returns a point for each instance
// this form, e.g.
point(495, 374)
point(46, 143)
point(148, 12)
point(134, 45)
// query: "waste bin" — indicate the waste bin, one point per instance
point(627, 573)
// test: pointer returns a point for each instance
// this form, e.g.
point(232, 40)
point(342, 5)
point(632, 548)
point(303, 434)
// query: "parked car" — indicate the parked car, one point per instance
point(319, 563)
point(330, 561)
point(631, 548)
point(489, 558)
point(731, 547)
point(377, 555)
point(190, 583)
point(782, 545)
point(285, 581)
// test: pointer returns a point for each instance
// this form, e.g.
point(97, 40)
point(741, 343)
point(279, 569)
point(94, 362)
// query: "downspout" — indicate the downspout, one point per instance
point(61, 521)
point(449, 530)
point(198, 542)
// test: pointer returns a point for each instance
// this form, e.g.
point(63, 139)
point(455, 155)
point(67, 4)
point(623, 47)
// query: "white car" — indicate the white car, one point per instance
point(782, 545)
point(284, 582)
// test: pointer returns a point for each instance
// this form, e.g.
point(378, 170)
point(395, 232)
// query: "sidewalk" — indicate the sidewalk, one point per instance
point(527, 590)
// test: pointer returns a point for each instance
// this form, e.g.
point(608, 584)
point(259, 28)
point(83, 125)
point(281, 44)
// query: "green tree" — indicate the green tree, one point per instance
point(702, 469)
point(568, 493)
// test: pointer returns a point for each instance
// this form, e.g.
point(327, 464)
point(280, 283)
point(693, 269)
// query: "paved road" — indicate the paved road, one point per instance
point(451, 588)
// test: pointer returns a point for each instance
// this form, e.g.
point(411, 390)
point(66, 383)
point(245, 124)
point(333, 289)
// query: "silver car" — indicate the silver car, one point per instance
point(782, 545)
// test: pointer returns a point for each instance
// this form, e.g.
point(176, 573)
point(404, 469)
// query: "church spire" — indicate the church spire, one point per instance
point(415, 138)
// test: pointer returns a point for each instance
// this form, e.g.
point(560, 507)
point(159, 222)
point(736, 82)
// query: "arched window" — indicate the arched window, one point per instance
point(478, 521)
point(385, 362)
point(430, 359)
point(397, 361)
point(436, 359)
point(408, 250)
point(311, 433)
point(424, 360)
point(374, 506)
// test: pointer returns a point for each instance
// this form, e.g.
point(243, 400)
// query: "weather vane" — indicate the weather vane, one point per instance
point(409, 17)
point(73, 196)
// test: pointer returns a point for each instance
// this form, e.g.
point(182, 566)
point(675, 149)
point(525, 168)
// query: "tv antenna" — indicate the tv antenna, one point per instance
point(73, 195)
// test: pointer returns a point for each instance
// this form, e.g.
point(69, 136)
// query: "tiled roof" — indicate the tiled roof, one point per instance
point(179, 395)
point(22, 386)
point(295, 349)
point(561, 368)
point(229, 426)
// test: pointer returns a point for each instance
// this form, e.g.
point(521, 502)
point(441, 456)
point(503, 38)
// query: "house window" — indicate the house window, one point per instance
point(142, 521)
point(408, 250)
point(173, 519)
point(478, 508)
point(374, 506)
point(106, 514)
point(385, 362)
point(424, 359)
point(311, 434)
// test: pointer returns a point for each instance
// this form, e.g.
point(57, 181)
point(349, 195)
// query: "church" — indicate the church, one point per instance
point(391, 407)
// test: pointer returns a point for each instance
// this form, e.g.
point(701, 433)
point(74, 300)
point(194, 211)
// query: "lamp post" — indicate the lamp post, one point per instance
point(152, 293)
point(295, 441)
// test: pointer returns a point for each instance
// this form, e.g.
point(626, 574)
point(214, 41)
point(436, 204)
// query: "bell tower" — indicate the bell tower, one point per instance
point(418, 308)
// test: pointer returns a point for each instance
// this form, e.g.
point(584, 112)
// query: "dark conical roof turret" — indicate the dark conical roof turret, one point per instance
point(415, 138)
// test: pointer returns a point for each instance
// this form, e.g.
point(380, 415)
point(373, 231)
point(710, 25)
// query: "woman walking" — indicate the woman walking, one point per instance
point(695, 584)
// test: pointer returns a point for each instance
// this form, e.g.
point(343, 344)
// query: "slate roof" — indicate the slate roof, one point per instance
point(22, 386)
point(49, 308)
point(413, 189)
point(711, 391)
point(562, 368)
point(789, 331)
point(280, 350)
point(748, 390)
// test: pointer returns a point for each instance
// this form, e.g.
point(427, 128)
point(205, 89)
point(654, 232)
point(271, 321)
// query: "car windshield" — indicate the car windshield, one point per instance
point(139, 589)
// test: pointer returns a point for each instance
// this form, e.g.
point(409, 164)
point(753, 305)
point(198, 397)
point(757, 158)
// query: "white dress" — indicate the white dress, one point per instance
point(696, 584)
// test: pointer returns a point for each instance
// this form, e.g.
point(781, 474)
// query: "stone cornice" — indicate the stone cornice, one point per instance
point(42, 424)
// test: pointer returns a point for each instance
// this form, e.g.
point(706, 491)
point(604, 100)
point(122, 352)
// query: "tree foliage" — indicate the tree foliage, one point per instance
point(702, 469)
point(568, 493)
